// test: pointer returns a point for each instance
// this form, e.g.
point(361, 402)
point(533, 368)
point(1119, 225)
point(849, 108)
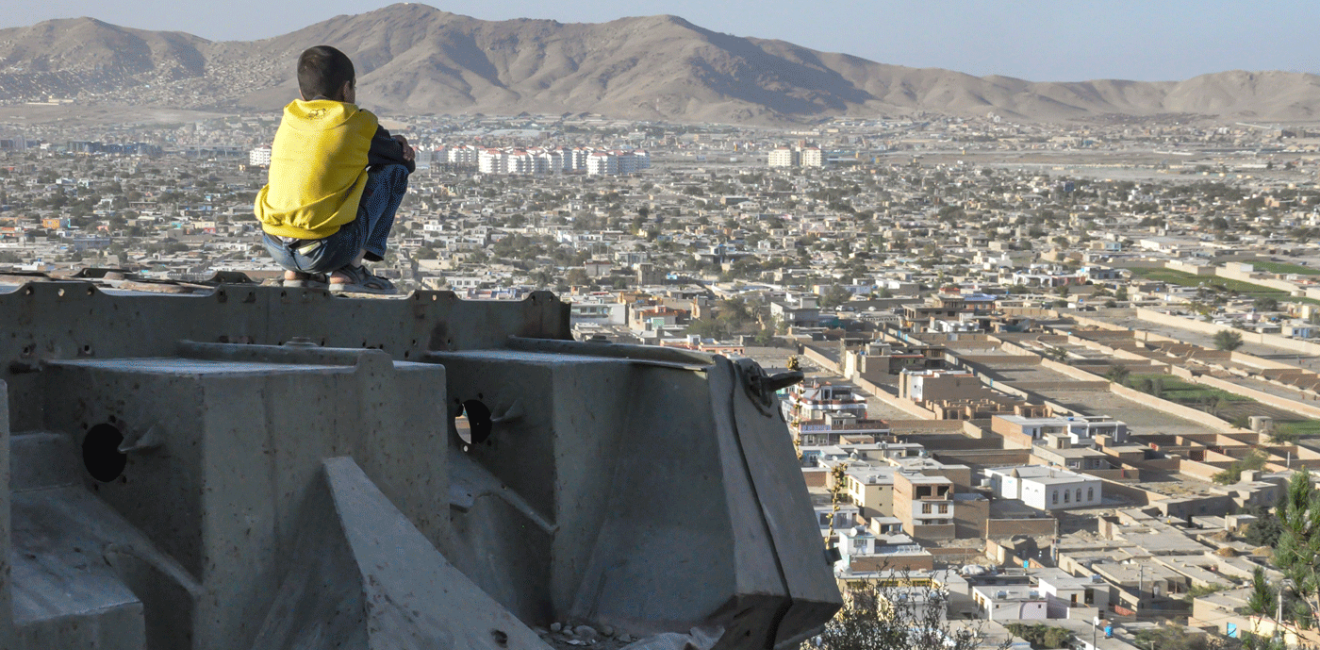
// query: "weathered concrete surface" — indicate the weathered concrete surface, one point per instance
point(6, 570)
point(171, 488)
point(241, 442)
point(644, 477)
point(781, 493)
point(365, 577)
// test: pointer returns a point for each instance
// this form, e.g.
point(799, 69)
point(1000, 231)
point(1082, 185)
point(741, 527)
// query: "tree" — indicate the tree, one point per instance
point(896, 615)
point(1176, 637)
point(1118, 374)
point(1265, 303)
point(1265, 530)
point(834, 296)
point(1252, 461)
point(708, 328)
point(1228, 340)
point(1263, 599)
point(1298, 552)
point(1045, 637)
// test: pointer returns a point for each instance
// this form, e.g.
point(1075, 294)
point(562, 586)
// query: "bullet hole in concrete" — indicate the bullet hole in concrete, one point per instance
point(473, 423)
point(101, 455)
point(501, 638)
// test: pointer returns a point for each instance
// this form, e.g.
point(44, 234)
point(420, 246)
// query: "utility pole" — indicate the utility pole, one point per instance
point(1141, 583)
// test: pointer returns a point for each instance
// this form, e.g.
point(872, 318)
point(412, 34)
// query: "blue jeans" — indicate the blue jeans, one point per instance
point(375, 218)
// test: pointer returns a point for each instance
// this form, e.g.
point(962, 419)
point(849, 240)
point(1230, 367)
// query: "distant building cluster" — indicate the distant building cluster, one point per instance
point(15, 144)
point(88, 147)
point(797, 157)
point(562, 160)
point(512, 160)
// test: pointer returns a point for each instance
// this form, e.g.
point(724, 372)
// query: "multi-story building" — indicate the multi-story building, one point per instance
point(492, 161)
point(828, 429)
point(464, 156)
point(812, 401)
point(784, 157)
point(797, 157)
point(259, 157)
point(925, 505)
point(602, 163)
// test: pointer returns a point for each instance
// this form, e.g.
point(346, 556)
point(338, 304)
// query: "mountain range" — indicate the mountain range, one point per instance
point(415, 59)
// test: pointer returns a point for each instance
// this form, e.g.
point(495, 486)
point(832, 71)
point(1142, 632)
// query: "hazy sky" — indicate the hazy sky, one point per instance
point(1043, 40)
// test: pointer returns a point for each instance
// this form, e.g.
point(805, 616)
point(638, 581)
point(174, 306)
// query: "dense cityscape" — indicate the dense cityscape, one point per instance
point(1063, 371)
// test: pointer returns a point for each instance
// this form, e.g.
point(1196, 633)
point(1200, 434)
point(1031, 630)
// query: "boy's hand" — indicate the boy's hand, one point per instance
point(408, 153)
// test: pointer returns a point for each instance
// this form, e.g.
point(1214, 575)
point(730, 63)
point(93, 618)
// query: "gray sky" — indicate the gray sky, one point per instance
point(1043, 40)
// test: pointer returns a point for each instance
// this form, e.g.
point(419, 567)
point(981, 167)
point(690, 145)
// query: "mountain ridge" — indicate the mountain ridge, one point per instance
point(413, 58)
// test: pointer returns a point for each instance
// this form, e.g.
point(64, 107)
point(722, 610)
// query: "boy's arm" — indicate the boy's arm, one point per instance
point(385, 150)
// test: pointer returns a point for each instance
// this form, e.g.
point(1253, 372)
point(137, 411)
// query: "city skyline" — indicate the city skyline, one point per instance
point(1036, 40)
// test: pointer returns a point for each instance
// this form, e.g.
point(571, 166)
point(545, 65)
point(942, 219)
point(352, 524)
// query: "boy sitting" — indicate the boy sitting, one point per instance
point(336, 180)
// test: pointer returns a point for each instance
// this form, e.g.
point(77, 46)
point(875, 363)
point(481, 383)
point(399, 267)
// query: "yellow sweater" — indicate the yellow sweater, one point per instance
point(318, 167)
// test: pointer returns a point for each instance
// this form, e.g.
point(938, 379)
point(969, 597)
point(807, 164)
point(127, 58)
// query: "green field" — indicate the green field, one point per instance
point(1227, 406)
point(1301, 428)
point(1188, 280)
point(1188, 394)
point(1284, 267)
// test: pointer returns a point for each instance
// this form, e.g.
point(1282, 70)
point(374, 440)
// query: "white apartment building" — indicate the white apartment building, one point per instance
point(797, 157)
point(467, 155)
point(784, 157)
point(602, 163)
point(259, 157)
point(813, 157)
point(492, 161)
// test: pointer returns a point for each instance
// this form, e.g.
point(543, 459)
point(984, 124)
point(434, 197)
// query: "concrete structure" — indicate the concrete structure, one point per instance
point(1045, 488)
point(863, 550)
point(426, 469)
point(1011, 603)
point(1082, 430)
point(939, 385)
point(871, 490)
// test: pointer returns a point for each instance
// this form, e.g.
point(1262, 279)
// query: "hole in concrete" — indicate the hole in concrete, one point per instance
point(101, 455)
point(501, 638)
point(474, 424)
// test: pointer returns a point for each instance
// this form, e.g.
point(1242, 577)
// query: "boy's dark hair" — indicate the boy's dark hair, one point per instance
point(322, 71)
